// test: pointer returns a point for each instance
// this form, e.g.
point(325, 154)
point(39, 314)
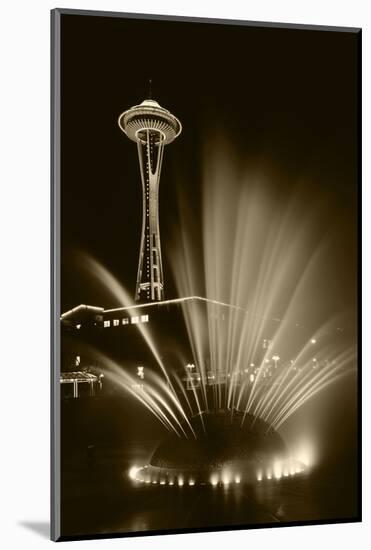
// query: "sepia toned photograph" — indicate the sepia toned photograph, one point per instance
point(205, 286)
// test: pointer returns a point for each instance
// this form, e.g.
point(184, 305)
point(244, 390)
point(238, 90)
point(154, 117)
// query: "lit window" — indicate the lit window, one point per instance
point(125, 321)
point(135, 320)
point(116, 322)
point(144, 318)
point(107, 324)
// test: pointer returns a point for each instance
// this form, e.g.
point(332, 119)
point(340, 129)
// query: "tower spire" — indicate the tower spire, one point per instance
point(150, 88)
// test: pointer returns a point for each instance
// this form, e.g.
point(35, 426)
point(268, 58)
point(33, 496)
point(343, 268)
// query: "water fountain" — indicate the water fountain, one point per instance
point(264, 337)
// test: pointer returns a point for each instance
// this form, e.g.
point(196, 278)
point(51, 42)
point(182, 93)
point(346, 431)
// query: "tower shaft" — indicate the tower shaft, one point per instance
point(150, 280)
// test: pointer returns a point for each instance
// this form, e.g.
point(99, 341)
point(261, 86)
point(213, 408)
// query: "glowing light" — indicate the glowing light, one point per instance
point(226, 478)
point(133, 472)
point(237, 479)
point(162, 482)
point(277, 470)
point(269, 475)
point(171, 482)
point(140, 372)
point(313, 341)
point(259, 476)
point(305, 453)
point(191, 482)
point(190, 366)
point(180, 481)
point(214, 480)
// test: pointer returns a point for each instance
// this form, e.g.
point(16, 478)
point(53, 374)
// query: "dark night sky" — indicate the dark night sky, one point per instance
point(281, 97)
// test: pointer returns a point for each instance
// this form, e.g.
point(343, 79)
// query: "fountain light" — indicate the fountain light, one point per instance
point(133, 472)
point(226, 478)
point(277, 470)
point(214, 480)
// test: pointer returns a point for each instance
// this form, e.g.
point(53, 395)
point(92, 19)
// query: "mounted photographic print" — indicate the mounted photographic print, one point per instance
point(205, 205)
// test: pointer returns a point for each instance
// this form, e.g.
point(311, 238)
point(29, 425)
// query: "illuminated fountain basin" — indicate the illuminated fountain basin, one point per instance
point(227, 450)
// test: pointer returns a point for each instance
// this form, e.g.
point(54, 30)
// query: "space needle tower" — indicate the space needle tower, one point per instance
point(151, 127)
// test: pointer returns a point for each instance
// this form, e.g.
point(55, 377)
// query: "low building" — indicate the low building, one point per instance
point(182, 332)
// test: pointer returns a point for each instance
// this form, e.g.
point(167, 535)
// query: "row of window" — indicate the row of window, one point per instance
point(126, 320)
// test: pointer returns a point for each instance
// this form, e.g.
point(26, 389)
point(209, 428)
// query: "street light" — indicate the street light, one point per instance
point(275, 358)
point(140, 372)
